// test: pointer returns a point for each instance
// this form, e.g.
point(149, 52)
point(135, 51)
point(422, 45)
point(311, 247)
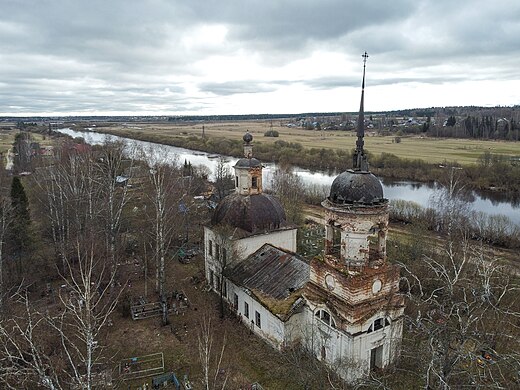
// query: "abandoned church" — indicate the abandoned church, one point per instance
point(343, 305)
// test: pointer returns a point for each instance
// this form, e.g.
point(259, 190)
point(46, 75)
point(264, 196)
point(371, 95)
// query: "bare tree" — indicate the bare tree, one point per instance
point(87, 310)
point(114, 192)
point(223, 178)
point(165, 194)
point(290, 189)
point(62, 347)
point(69, 195)
point(24, 363)
point(457, 296)
point(210, 360)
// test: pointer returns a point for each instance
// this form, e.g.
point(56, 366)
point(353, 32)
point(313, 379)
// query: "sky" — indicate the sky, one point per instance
point(204, 57)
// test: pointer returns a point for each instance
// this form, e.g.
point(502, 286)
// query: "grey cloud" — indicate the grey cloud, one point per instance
point(122, 55)
point(237, 87)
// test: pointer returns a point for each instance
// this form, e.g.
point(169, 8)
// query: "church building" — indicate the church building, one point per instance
point(344, 305)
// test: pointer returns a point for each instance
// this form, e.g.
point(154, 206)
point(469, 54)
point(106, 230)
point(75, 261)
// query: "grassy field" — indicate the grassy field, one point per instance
point(463, 151)
point(8, 132)
point(6, 138)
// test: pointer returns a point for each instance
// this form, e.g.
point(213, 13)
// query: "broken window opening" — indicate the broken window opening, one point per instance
point(254, 182)
point(376, 358)
point(333, 239)
point(325, 317)
point(379, 323)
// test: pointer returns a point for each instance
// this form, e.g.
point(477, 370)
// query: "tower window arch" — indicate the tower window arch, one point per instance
point(325, 317)
point(378, 324)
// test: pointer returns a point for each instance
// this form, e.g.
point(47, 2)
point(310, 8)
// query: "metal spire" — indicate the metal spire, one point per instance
point(360, 162)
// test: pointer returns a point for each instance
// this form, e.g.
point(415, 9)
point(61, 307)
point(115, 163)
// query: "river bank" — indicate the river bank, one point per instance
point(490, 203)
point(492, 172)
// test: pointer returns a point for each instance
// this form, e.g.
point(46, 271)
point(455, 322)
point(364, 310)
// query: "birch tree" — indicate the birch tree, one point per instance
point(69, 195)
point(164, 196)
point(211, 360)
point(111, 164)
point(30, 354)
point(87, 310)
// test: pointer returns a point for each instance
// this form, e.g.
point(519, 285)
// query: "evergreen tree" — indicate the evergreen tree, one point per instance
point(21, 217)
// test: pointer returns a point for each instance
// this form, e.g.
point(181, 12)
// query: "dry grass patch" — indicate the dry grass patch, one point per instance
point(463, 151)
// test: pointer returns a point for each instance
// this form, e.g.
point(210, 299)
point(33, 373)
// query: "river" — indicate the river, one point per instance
point(421, 193)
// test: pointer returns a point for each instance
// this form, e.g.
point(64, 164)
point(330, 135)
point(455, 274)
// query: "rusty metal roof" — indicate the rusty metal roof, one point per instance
point(252, 213)
point(271, 273)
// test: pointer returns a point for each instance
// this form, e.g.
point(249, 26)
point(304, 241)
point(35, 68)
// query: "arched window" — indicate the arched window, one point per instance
point(379, 323)
point(325, 317)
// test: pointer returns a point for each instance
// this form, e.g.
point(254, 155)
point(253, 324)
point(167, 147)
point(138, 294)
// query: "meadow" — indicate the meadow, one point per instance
point(431, 150)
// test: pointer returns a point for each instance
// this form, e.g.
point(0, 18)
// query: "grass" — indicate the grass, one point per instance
point(434, 150)
point(8, 131)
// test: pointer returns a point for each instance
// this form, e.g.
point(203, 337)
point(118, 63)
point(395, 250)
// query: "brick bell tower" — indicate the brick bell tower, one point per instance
point(353, 288)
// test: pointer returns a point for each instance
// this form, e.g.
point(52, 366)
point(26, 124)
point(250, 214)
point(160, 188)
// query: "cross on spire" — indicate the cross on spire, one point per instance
point(365, 56)
point(360, 162)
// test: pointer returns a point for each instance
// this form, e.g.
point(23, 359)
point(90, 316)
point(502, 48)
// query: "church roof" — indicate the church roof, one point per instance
point(273, 275)
point(248, 163)
point(356, 187)
point(252, 213)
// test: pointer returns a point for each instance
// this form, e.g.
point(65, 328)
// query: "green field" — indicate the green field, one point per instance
point(463, 151)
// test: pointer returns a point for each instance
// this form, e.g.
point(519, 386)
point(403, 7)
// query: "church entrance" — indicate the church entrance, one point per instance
point(376, 358)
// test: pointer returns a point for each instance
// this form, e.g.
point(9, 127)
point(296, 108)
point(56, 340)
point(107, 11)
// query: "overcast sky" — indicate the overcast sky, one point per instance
point(178, 57)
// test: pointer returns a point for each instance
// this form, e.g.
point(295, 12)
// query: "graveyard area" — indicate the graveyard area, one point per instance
point(246, 360)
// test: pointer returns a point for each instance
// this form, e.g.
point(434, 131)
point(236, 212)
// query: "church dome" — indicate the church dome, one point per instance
point(253, 213)
point(356, 187)
point(248, 163)
point(247, 137)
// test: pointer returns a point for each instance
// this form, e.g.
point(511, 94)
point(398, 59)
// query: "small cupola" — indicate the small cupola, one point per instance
point(248, 170)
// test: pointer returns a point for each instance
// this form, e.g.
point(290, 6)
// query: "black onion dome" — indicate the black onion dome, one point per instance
point(247, 137)
point(352, 187)
point(253, 213)
point(248, 163)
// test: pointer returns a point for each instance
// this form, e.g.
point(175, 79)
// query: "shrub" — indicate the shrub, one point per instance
point(271, 133)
